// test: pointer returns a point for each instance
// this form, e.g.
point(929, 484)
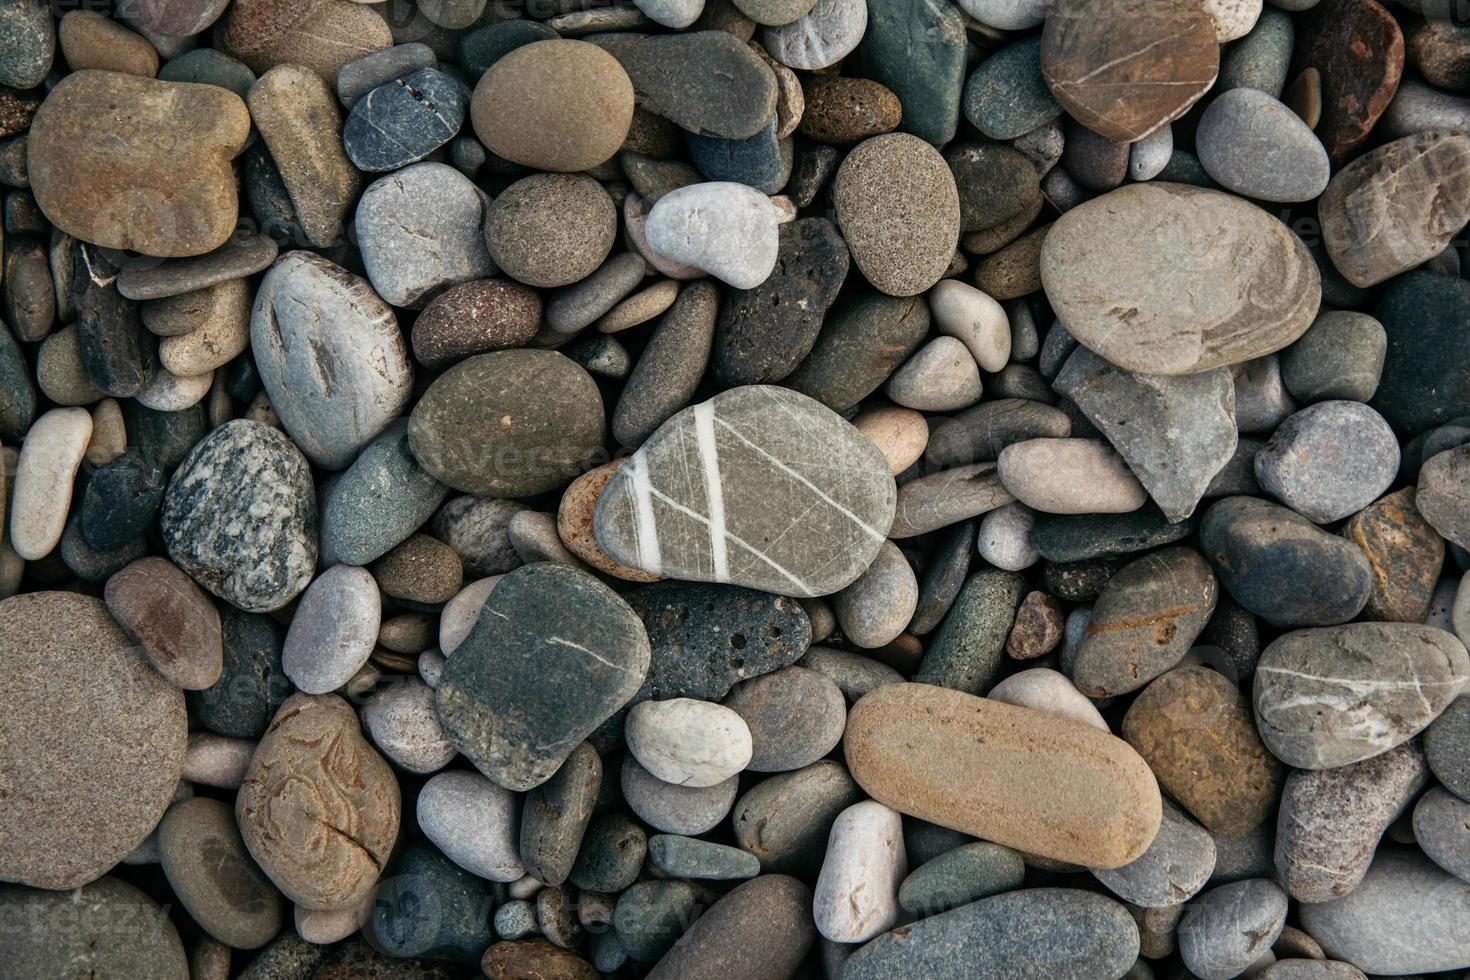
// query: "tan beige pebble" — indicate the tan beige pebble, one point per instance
point(41, 498)
point(217, 760)
point(1069, 476)
point(1037, 782)
point(220, 327)
point(90, 40)
point(324, 928)
point(459, 614)
point(790, 98)
point(420, 569)
point(641, 307)
point(168, 392)
point(407, 633)
point(59, 371)
point(209, 959)
point(159, 607)
point(901, 434)
point(321, 826)
point(109, 433)
point(298, 118)
point(322, 35)
point(574, 523)
point(785, 209)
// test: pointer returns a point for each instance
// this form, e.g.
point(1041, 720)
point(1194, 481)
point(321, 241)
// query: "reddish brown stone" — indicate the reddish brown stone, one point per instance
point(1304, 96)
point(1038, 627)
point(1440, 49)
point(475, 317)
point(1358, 48)
point(171, 618)
point(534, 959)
point(1125, 68)
point(1405, 554)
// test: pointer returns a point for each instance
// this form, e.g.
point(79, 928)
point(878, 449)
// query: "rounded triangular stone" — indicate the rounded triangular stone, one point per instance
point(759, 486)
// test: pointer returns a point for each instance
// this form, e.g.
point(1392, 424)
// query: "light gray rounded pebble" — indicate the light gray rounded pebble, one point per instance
point(1228, 928)
point(333, 630)
point(675, 809)
point(876, 608)
point(1254, 145)
point(1329, 460)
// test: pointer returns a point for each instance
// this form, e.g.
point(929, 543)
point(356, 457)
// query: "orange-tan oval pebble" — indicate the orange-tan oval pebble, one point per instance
point(574, 523)
point(1016, 776)
point(899, 433)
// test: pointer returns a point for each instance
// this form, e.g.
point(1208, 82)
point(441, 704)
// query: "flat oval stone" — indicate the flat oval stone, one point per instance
point(795, 717)
point(649, 517)
point(508, 423)
point(474, 822)
point(553, 654)
point(1058, 932)
point(240, 516)
point(960, 876)
point(382, 498)
point(321, 827)
point(1194, 728)
point(688, 742)
point(1173, 869)
point(1090, 51)
point(760, 928)
point(1118, 301)
point(333, 629)
point(1396, 206)
point(1069, 476)
point(173, 621)
point(1329, 697)
point(404, 120)
point(41, 489)
point(1230, 927)
point(421, 230)
point(1065, 790)
point(707, 82)
point(91, 747)
point(1407, 916)
point(105, 928)
point(690, 857)
point(899, 211)
point(1331, 820)
point(1148, 616)
point(726, 229)
point(554, 105)
point(856, 897)
point(876, 608)
point(1441, 494)
point(674, 809)
point(918, 53)
point(162, 151)
point(885, 329)
point(1254, 145)
point(784, 820)
point(213, 876)
point(1007, 96)
point(330, 355)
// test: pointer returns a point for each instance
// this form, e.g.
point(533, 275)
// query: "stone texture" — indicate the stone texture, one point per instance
point(1404, 553)
point(1230, 927)
point(1069, 476)
point(82, 802)
point(551, 229)
point(323, 36)
point(865, 338)
point(1340, 356)
point(723, 228)
point(474, 822)
point(105, 928)
point(707, 82)
point(1357, 48)
point(1254, 145)
point(1119, 301)
point(210, 871)
point(555, 815)
point(1329, 460)
point(918, 52)
point(1332, 696)
point(382, 498)
point(784, 820)
point(822, 37)
point(1172, 871)
point(404, 120)
point(1425, 382)
point(1441, 495)
point(171, 619)
point(760, 928)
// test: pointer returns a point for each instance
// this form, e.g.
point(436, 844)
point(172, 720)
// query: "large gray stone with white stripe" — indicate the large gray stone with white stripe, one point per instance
point(759, 486)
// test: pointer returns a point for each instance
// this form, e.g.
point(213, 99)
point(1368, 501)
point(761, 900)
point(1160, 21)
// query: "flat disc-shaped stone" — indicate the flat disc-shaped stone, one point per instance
point(759, 486)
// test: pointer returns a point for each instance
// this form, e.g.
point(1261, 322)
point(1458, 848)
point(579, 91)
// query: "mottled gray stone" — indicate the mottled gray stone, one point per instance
point(1254, 145)
point(966, 650)
point(1340, 356)
point(1229, 927)
point(960, 876)
point(578, 306)
point(669, 369)
point(752, 465)
point(1331, 820)
point(1442, 830)
point(707, 82)
point(853, 673)
point(1443, 497)
point(864, 340)
point(1006, 96)
point(104, 929)
point(477, 528)
point(1261, 399)
point(1172, 871)
point(1332, 696)
point(1174, 432)
point(1329, 460)
point(330, 355)
point(795, 715)
point(675, 809)
point(689, 857)
point(30, 43)
point(1447, 747)
point(240, 516)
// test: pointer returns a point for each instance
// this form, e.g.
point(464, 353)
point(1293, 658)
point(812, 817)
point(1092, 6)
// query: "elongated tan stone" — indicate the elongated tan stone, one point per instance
point(1024, 778)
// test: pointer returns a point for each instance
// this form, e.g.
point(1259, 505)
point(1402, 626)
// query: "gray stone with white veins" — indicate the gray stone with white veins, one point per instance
point(759, 486)
point(1175, 433)
point(331, 356)
point(240, 516)
point(1331, 696)
point(402, 121)
point(1174, 868)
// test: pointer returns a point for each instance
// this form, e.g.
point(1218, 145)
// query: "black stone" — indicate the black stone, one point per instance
point(814, 165)
point(121, 500)
point(17, 392)
point(482, 47)
point(1078, 581)
point(118, 352)
point(1075, 537)
point(943, 577)
point(612, 853)
point(252, 684)
point(1426, 371)
point(165, 436)
point(403, 121)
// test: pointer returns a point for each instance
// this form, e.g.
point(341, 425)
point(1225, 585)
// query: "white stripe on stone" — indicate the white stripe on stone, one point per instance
point(650, 559)
point(704, 431)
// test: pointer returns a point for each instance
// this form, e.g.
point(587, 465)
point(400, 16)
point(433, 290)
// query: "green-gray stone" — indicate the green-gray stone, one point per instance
point(555, 816)
point(652, 915)
point(209, 66)
point(381, 499)
point(784, 820)
point(863, 340)
point(690, 857)
point(612, 852)
point(17, 392)
point(1006, 96)
point(967, 648)
point(166, 436)
point(482, 47)
point(918, 51)
point(427, 906)
point(966, 874)
point(1260, 60)
point(1184, 168)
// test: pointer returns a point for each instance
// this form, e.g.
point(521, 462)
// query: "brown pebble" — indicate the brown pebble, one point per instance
point(1293, 944)
point(534, 959)
point(843, 110)
point(322, 35)
point(1404, 553)
point(475, 317)
point(218, 318)
point(1014, 271)
point(901, 434)
point(1304, 96)
point(171, 618)
point(1038, 627)
point(574, 523)
point(16, 110)
point(1440, 49)
point(409, 633)
point(1194, 728)
point(90, 40)
point(640, 307)
point(1358, 48)
point(421, 569)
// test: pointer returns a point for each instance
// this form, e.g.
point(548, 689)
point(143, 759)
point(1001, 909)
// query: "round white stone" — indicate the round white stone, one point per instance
point(677, 14)
point(688, 742)
point(1005, 537)
point(726, 229)
point(826, 35)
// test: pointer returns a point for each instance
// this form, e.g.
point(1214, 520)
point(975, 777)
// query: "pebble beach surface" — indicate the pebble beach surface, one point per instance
point(734, 490)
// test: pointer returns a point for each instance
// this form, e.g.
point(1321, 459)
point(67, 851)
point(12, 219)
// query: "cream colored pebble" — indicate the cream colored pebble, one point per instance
point(49, 459)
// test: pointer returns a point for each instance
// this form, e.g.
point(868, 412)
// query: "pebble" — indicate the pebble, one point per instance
point(611, 854)
point(28, 57)
point(667, 374)
point(41, 490)
point(853, 673)
point(980, 433)
point(1340, 357)
point(1175, 433)
point(1441, 497)
point(1149, 156)
point(478, 529)
point(1331, 820)
point(784, 820)
point(1263, 57)
point(221, 333)
point(760, 928)
point(816, 550)
point(1233, 18)
point(379, 500)
point(105, 927)
point(1407, 916)
point(1439, 828)
point(887, 328)
point(292, 796)
point(723, 228)
point(1004, 539)
point(82, 802)
point(966, 313)
point(401, 720)
point(1007, 96)
point(1176, 866)
point(689, 742)
point(1420, 386)
point(1332, 696)
point(707, 82)
point(901, 434)
point(1056, 932)
point(214, 760)
point(1194, 728)
point(1261, 307)
point(1329, 460)
point(1038, 627)
point(1282, 567)
point(430, 907)
point(1148, 616)
point(845, 110)
point(474, 822)
point(551, 229)
point(919, 54)
point(491, 687)
point(795, 717)
point(333, 630)
point(1094, 819)
point(1069, 476)
point(960, 876)
point(690, 857)
point(252, 685)
point(876, 608)
point(1252, 144)
point(182, 202)
point(404, 120)
point(675, 809)
point(1229, 927)
point(555, 816)
point(640, 307)
point(966, 651)
point(1049, 691)
point(856, 896)
point(359, 77)
point(574, 523)
point(650, 915)
point(469, 405)
point(940, 377)
point(213, 876)
point(241, 256)
point(171, 619)
point(1404, 552)
point(1358, 50)
point(559, 105)
point(820, 38)
point(1396, 206)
